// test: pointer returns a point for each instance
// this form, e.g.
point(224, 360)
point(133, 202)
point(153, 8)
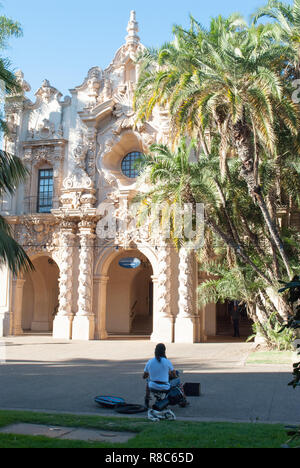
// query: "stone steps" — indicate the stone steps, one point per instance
point(142, 324)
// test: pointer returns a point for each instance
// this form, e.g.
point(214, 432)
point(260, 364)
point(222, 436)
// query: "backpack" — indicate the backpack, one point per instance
point(175, 396)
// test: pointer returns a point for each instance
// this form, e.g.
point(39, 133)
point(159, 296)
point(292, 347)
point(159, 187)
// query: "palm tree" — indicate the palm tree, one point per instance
point(8, 29)
point(238, 251)
point(173, 179)
point(286, 28)
point(12, 171)
point(227, 85)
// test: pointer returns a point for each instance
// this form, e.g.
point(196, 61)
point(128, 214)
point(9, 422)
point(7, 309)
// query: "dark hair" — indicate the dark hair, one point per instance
point(160, 351)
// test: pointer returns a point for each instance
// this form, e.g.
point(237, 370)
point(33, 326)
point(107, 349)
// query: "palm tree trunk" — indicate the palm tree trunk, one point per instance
point(236, 247)
point(273, 230)
point(242, 137)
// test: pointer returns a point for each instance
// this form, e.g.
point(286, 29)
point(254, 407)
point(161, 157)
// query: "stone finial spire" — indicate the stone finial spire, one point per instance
point(132, 29)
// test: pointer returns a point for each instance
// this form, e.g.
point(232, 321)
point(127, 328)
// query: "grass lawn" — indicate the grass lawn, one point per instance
point(270, 357)
point(171, 434)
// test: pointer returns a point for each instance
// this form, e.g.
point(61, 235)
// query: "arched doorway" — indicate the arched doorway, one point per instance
point(40, 296)
point(129, 304)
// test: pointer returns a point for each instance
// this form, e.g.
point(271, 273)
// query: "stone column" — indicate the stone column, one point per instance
point(18, 286)
point(163, 320)
point(186, 329)
point(5, 288)
point(62, 325)
point(84, 321)
point(100, 282)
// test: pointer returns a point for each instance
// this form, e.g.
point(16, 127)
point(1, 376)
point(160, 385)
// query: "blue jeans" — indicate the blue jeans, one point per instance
point(173, 383)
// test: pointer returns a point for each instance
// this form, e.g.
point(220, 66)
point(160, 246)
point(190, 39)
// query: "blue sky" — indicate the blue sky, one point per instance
point(63, 39)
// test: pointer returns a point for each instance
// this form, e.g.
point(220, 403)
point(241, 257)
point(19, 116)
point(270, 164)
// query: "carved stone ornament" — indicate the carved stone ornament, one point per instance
point(73, 182)
point(47, 93)
point(67, 238)
point(35, 234)
point(93, 80)
point(108, 176)
point(45, 131)
point(94, 84)
point(106, 93)
point(91, 154)
point(133, 28)
point(86, 260)
point(80, 153)
point(25, 87)
point(11, 136)
point(124, 107)
point(131, 230)
point(84, 166)
point(164, 293)
point(47, 153)
point(75, 200)
point(42, 154)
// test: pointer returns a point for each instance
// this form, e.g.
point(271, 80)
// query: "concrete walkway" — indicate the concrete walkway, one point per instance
point(43, 374)
point(70, 433)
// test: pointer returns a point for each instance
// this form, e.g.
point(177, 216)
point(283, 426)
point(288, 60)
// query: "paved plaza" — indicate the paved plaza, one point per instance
point(40, 373)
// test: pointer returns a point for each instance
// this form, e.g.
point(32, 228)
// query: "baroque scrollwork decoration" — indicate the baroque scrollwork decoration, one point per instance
point(47, 93)
point(80, 153)
point(73, 182)
point(123, 111)
point(36, 234)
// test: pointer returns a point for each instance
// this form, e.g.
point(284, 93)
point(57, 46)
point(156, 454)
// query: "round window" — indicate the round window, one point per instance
point(131, 164)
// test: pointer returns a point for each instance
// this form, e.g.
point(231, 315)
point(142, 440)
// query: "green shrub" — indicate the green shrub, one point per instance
point(275, 337)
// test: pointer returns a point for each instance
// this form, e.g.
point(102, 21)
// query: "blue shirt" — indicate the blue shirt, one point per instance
point(159, 372)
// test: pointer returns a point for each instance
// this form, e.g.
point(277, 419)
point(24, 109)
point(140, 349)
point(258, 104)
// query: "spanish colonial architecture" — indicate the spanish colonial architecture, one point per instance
point(81, 152)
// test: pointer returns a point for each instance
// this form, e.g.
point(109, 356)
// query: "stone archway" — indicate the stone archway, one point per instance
point(39, 299)
point(128, 306)
point(162, 321)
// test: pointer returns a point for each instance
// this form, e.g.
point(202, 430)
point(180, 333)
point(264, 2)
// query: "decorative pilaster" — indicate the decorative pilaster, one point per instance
point(185, 283)
point(100, 284)
point(84, 321)
point(163, 321)
point(18, 287)
point(62, 325)
point(186, 320)
point(86, 257)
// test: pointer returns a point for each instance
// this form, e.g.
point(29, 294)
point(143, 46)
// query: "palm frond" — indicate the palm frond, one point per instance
point(12, 254)
point(12, 172)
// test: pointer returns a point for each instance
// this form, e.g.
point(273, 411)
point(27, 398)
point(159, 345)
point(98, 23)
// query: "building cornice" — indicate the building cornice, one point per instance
point(48, 142)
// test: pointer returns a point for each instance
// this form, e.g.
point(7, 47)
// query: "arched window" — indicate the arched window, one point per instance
point(131, 164)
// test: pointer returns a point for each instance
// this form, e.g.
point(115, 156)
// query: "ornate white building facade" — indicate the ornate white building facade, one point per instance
point(80, 153)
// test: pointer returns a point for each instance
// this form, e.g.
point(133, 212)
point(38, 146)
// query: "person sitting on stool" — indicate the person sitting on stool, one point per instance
point(160, 373)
